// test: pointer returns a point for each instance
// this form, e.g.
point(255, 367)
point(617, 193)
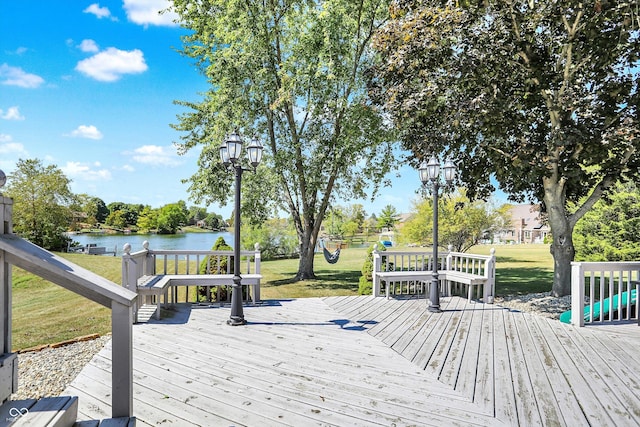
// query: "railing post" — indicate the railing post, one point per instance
point(8, 360)
point(377, 264)
point(149, 261)
point(257, 259)
point(490, 271)
point(121, 360)
point(577, 294)
point(129, 281)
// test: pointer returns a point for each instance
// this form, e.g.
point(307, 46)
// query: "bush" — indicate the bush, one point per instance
point(365, 286)
point(218, 265)
point(277, 239)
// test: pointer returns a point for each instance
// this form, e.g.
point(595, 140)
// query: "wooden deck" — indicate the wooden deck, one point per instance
point(350, 361)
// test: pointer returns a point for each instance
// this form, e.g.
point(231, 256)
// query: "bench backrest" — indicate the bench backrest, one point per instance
point(406, 261)
point(167, 262)
point(480, 265)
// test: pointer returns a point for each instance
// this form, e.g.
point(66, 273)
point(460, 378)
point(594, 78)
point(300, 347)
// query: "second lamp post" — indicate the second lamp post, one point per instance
point(230, 152)
point(430, 172)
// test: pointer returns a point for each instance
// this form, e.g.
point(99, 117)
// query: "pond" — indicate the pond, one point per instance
point(186, 241)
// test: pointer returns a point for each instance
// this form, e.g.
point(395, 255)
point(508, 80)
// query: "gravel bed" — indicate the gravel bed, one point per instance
point(541, 303)
point(49, 371)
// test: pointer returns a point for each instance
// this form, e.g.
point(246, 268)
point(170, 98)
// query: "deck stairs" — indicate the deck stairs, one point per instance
point(59, 411)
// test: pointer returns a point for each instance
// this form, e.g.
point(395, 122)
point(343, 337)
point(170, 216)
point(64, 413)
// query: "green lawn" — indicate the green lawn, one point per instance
point(46, 313)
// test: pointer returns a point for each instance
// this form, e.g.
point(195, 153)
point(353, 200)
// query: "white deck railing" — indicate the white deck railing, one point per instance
point(149, 262)
point(611, 289)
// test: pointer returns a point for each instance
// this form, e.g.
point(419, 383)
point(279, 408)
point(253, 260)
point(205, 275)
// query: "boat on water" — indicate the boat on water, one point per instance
point(92, 249)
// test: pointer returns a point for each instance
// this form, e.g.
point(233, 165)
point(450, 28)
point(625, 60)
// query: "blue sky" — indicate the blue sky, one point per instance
point(90, 87)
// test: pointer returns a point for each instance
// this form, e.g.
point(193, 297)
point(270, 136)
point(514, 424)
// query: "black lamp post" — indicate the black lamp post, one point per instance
point(430, 172)
point(230, 151)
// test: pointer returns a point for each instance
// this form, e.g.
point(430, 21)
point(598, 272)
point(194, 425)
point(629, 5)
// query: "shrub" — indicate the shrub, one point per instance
point(218, 265)
point(365, 286)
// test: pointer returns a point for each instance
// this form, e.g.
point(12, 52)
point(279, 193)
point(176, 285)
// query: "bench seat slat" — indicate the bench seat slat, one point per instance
point(156, 285)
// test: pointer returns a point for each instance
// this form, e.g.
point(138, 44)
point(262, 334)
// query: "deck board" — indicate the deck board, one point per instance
point(351, 361)
point(599, 381)
point(495, 380)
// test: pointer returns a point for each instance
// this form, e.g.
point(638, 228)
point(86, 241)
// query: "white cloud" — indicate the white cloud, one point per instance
point(99, 12)
point(15, 76)
point(85, 171)
point(147, 12)
point(155, 155)
point(88, 45)
point(9, 147)
point(128, 168)
point(109, 65)
point(84, 131)
point(21, 50)
point(13, 113)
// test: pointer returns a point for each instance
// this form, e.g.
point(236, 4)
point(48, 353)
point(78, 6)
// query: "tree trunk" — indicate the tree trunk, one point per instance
point(307, 254)
point(562, 231)
point(563, 254)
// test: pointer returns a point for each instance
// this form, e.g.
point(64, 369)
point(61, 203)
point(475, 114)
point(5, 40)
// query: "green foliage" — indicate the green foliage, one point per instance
point(171, 218)
point(196, 214)
point(148, 219)
point(116, 219)
point(540, 96)
point(365, 284)
point(365, 287)
point(611, 230)
point(388, 218)
point(293, 74)
point(218, 265)
point(214, 221)
point(461, 223)
point(42, 200)
point(93, 207)
point(277, 239)
point(122, 215)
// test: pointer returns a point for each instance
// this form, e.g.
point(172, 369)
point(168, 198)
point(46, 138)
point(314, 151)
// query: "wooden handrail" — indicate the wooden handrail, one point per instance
point(62, 272)
point(36, 260)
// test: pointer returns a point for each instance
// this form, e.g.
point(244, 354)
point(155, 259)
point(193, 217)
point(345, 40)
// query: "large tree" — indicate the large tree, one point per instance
point(541, 95)
point(462, 223)
point(292, 73)
point(42, 200)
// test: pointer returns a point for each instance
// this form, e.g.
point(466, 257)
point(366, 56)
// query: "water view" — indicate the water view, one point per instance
point(194, 241)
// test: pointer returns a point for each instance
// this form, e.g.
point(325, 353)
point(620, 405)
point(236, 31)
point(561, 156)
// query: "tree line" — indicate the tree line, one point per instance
point(45, 209)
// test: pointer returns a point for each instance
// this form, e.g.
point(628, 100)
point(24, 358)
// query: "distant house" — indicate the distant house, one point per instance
point(526, 226)
point(201, 223)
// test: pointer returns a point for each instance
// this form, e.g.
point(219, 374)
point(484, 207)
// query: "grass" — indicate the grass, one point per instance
point(46, 313)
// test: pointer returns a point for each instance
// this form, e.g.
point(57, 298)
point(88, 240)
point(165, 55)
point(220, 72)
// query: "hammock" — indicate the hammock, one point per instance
point(331, 258)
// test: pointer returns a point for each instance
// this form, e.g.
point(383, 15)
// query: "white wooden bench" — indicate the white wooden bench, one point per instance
point(455, 269)
point(158, 285)
point(152, 274)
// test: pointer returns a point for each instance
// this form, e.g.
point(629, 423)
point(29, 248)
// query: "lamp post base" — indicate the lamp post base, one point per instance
point(434, 292)
point(236, 322)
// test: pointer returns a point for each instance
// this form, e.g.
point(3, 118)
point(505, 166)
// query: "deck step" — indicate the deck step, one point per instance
point(59, 411)
point(109, 422)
